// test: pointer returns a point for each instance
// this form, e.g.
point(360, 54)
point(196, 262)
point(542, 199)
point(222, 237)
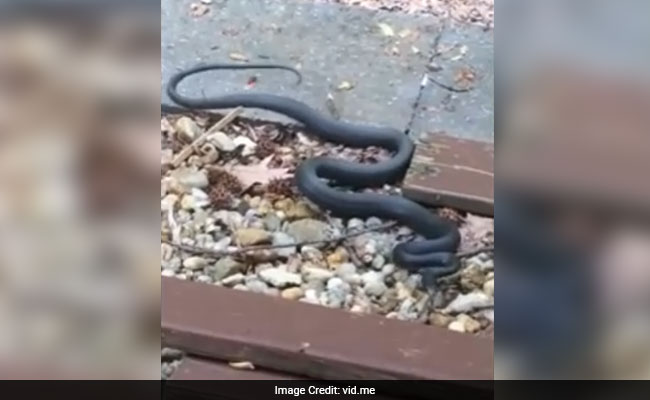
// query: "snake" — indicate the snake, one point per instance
point(322, 179)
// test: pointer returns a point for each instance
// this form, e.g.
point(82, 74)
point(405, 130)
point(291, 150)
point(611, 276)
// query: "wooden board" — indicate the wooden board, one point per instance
point(314, 341)
point(451, 172)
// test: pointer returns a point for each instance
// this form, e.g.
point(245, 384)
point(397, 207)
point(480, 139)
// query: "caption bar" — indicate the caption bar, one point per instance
point(328, 390)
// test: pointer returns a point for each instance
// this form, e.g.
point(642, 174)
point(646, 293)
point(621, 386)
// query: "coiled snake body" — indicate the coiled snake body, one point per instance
point(436, 253)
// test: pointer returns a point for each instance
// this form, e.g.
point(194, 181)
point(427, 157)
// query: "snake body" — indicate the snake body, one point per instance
point(434, 255)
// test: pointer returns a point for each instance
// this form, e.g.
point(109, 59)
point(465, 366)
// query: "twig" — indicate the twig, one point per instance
point(450, 88)
point(188, 150)
point(472, 253)
point(215, 253)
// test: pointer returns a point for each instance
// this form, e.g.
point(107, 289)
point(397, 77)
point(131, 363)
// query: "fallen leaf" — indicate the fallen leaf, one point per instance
point(404, 33)
point(242, 365)
point(198, 9)
point(476, 232)
point(461, 53)
point(238, 57)
point(345, 85)
point(261, 173)
point(465, 77)
point(386, 29)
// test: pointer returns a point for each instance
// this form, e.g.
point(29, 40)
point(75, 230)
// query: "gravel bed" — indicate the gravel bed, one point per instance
point(208, 202)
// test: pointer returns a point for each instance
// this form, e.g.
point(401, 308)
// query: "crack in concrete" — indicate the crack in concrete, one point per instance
point(434, 52)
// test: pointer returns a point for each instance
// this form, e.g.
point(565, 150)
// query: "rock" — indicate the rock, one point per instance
point(441, 320)
point(166, 252)
point(233, 280)
point(272, 292)
point(225, 267)
point(231, 219)
point(195, 263)
point(312, 254)
point(256, 286)
point(346, 271)
point(191, 178)
point(203, 279)
point(167, 273)
point(293, 293)
point(488, 288)
point(308, 230)
point(248, 145)
point(456, 326)
point(373, 222)
point(252, 236)
point(222, 244)
point(221, 141)
point(311, 296)
point(272, 222)
point(187, 130)
point(465, 303)
point(312, 273)
point(280, 278)
point(166, 156)
point(168, 203)
point(407, 310)
point(337, 292)
point(197, 199)
point(339, 256)
point(472, 278)
point(167, 353)
point(487, 314)
point(281, 238)
point(173, 264)
point(465, 323)
point(373, 283)
point(403, 291)
point(241, 287)
point(388, 269)
point(378, 262)
point(298, 210)
point(355, 224)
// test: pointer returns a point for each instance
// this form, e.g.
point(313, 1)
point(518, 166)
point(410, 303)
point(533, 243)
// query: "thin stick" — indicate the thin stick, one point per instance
point(191, 148)
point(215, 253)
point(472, 253)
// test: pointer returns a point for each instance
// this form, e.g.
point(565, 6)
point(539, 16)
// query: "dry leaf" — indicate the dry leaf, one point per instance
point(404, 33)
point(345, 85)
point(242, 365)
point(465, 77)
point(261, 173)
point(476, 231)
point(461, 53)
point(198, 9)
point(238, 57)
point(386, 29)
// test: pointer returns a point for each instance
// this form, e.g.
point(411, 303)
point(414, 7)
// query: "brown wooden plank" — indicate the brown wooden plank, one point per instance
point(451, 172)
point(314, 341)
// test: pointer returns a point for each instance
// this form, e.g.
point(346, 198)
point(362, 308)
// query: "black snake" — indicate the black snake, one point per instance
point(434, 256)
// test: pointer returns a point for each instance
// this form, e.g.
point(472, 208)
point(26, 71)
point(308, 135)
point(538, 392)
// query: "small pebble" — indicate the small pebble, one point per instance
point(469, 302)
point(293, 293)
point(280, 278)
point(195, 263)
